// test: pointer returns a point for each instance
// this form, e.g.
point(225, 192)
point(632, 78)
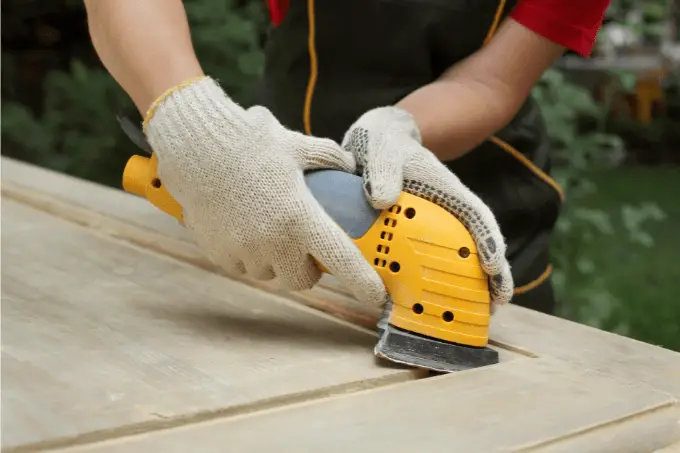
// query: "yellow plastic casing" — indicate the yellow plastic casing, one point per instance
point(140, 177)
point(427, 259)
point(429, 264)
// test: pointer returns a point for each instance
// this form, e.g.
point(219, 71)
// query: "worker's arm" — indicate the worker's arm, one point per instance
point(477, 97)
point(480, 95)
point(404, 145)
point(236, 173)
point(400, 147)
point(144, 44)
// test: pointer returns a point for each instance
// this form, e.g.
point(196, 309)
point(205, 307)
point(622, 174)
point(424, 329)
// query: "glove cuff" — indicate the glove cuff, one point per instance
point(167, 93)
point(393, 119)
point(196, 107)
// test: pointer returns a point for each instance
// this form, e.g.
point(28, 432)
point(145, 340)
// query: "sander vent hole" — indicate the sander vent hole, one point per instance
point(417, 309)
point(386, 235)
point(383, 249)
point(447, 316)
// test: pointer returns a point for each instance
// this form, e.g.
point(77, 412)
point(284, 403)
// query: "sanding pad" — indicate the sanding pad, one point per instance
point(401, 346)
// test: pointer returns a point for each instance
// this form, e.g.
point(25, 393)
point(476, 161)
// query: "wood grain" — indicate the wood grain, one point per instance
point(135, 220)
point(675, 448)
point(102, 338)
point(513, 329)
point(536, 334)
point(542, 405)
point(589, 347)
point(128, 325)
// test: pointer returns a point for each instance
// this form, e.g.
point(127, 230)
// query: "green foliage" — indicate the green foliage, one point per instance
point(77, 132)
point(643, 279)
point(576, 129)
point(227, 42)
point(644, 17)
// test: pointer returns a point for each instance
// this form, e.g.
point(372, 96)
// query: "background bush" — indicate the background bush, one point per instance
point(614, 250)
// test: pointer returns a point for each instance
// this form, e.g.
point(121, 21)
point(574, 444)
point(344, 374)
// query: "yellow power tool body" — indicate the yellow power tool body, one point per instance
point(439, 313)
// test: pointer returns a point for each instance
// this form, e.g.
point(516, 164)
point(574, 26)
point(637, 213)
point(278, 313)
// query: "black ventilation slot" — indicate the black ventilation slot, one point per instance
point(386, 236)
point(390, 222)
point(383, 249)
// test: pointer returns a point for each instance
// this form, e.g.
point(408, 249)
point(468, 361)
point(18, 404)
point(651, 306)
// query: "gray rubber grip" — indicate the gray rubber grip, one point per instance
point(342, 196)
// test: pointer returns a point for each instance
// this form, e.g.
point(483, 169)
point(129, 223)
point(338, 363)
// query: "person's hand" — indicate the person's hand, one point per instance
point(238, 175)
point(387, 145)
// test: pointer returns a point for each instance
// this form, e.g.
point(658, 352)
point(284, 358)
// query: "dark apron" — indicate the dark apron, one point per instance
point(372, 53)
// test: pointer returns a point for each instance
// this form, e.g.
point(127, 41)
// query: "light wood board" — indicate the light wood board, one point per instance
point(150, 325)
point(539, 335)
point(675, 448)
point(135, 220)
point(541, 405)
point(101, 338)
point(512, 329)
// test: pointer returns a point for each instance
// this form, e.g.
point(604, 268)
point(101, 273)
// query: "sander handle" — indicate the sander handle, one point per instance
point(341, 194)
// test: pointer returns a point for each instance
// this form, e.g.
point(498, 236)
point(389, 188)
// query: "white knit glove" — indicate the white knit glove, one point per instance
point(238, 175)
point(387, 145)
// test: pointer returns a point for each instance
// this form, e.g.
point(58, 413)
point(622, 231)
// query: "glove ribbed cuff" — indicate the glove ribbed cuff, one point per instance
point(195, 107)
point(152, 109)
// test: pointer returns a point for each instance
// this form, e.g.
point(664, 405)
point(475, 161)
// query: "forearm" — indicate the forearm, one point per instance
point(455, 116)
point(144, 44)
point(476, 98)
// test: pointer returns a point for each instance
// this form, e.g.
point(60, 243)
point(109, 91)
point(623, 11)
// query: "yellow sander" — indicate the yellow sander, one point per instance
point(439, 310)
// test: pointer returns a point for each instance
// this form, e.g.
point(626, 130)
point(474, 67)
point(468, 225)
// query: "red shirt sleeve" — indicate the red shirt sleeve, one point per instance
point(573, 24)
point(277, 10)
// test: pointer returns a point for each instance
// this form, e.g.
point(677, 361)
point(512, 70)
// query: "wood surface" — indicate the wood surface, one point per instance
point(675, 448)
point(543, 405)
point(107, 305)
point(513, 328)
point(539, 335)
point(135, 220)
point(99, 336)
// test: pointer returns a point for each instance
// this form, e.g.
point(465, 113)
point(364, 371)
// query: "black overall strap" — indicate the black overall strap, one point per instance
point(329, 62)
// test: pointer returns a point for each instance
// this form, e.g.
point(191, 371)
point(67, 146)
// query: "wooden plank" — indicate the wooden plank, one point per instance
point(92, 196)
point(675, 448)
point(135, 220)
point(513, 328)
point(102, 338)
point(542, 405)
point(586, 346)
point(535, 334)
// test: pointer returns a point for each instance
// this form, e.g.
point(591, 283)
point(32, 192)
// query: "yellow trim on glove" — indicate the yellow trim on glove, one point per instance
point(154, 106)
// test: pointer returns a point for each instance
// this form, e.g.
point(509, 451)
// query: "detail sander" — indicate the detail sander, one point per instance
point(438, 314)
